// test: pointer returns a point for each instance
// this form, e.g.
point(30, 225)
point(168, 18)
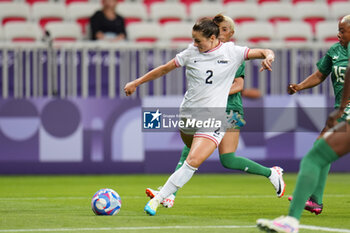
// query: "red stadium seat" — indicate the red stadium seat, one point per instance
point(68, 2)
point(14, 12)
point(164, 12)
point(22, 32)
point(63, 31)
point(327, 32)
point(301, 1)
point(143, 32)
point(48, 12)
point(277, 12)
point(243, 12)
point(188, 3)
point(233, 1)
point(296, 32)
point(312, 13)
point(205, 9)
point(268, 1)
point(177, 32)
point(133, 12)
point(339, 10)
point(148, 3)
point(330, 2)
point(31, 2)
point(255, 32)
point(81, 13)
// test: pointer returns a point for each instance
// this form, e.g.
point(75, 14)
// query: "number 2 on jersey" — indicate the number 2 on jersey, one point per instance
point(208, 81)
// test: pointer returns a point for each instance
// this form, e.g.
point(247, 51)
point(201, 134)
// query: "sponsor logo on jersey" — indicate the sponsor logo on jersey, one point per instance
point(222, 61)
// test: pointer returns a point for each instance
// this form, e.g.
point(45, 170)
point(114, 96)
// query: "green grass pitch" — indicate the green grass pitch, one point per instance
point(208, 203)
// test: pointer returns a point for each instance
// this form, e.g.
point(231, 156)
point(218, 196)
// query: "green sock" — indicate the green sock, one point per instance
point(230, 161)
point(317, 195)
point(320, 156)
point(184, 154)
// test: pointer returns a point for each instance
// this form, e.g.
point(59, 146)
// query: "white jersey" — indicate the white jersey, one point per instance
point(210, 74)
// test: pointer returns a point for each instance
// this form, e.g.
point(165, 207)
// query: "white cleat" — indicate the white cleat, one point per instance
point(151, 207)
point(167, 202)
point(276, 179)
point(286, 224)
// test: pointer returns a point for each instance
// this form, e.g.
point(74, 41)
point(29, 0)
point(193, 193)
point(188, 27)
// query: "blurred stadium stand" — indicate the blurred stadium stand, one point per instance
point(161, 11)
point(300, 31)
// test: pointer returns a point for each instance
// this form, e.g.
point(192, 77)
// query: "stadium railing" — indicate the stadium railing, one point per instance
point(101, 69)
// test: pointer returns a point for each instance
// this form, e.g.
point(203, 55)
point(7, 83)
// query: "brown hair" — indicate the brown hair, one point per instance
point(207, 27)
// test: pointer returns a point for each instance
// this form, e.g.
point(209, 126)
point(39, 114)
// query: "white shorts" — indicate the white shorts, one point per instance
point(216, 137)
point(213, 123)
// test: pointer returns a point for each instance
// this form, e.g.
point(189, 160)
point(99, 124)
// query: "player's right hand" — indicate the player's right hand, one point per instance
point(292, 88)
point(130, 88)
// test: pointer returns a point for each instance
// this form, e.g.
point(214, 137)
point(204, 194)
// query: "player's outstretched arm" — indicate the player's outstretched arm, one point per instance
point(266, 54)
point(313, 80)
point(160, 71)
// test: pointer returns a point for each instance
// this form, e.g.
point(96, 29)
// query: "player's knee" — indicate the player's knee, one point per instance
point(193, 161)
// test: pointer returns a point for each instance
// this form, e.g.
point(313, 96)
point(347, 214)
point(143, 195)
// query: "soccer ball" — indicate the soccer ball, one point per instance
point(106, 202)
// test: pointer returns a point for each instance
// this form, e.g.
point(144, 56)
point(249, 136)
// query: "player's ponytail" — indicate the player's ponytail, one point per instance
point(207, 27)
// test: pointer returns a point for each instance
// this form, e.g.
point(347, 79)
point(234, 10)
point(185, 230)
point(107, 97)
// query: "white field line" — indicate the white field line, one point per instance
point(143, 196)
point(313, 228)
point(327, 229)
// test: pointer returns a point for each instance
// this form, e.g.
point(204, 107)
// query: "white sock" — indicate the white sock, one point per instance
point(176, 181)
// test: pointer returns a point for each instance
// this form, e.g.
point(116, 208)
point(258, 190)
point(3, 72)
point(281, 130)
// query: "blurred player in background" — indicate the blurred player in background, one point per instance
point(210, 68)
point(334, 63)
point(106, 24)
point(229, 142)
point(332, 145)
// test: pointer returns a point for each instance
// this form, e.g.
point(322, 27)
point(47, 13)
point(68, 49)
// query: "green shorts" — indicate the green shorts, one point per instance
point(346, 115)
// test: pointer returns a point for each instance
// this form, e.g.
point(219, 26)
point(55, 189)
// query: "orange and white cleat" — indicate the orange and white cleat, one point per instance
point(276, 179)
point(167, 202)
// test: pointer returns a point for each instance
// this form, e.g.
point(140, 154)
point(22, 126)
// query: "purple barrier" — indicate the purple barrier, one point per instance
point(70, 136)
point(60, 136)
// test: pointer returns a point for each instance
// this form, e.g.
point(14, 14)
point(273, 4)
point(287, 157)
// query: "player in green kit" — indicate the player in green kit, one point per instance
point(229, 143)
point(334, 63)
point(330, 147)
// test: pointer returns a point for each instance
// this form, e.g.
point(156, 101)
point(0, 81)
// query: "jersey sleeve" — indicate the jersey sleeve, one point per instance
point(239, 53)
point(240, 71)
point(182, 58)
point(325, 64)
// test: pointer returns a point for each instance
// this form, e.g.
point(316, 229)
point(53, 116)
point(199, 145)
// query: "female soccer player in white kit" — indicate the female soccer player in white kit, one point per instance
point(210, 69)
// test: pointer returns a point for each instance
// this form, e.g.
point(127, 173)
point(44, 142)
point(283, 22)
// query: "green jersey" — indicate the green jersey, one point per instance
point(234, 101)
point(335, 62)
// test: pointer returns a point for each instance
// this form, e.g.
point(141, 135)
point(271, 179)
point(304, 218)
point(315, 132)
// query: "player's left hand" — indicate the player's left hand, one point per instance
point(130, 88)
point(332, 118)
point(266, 64)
